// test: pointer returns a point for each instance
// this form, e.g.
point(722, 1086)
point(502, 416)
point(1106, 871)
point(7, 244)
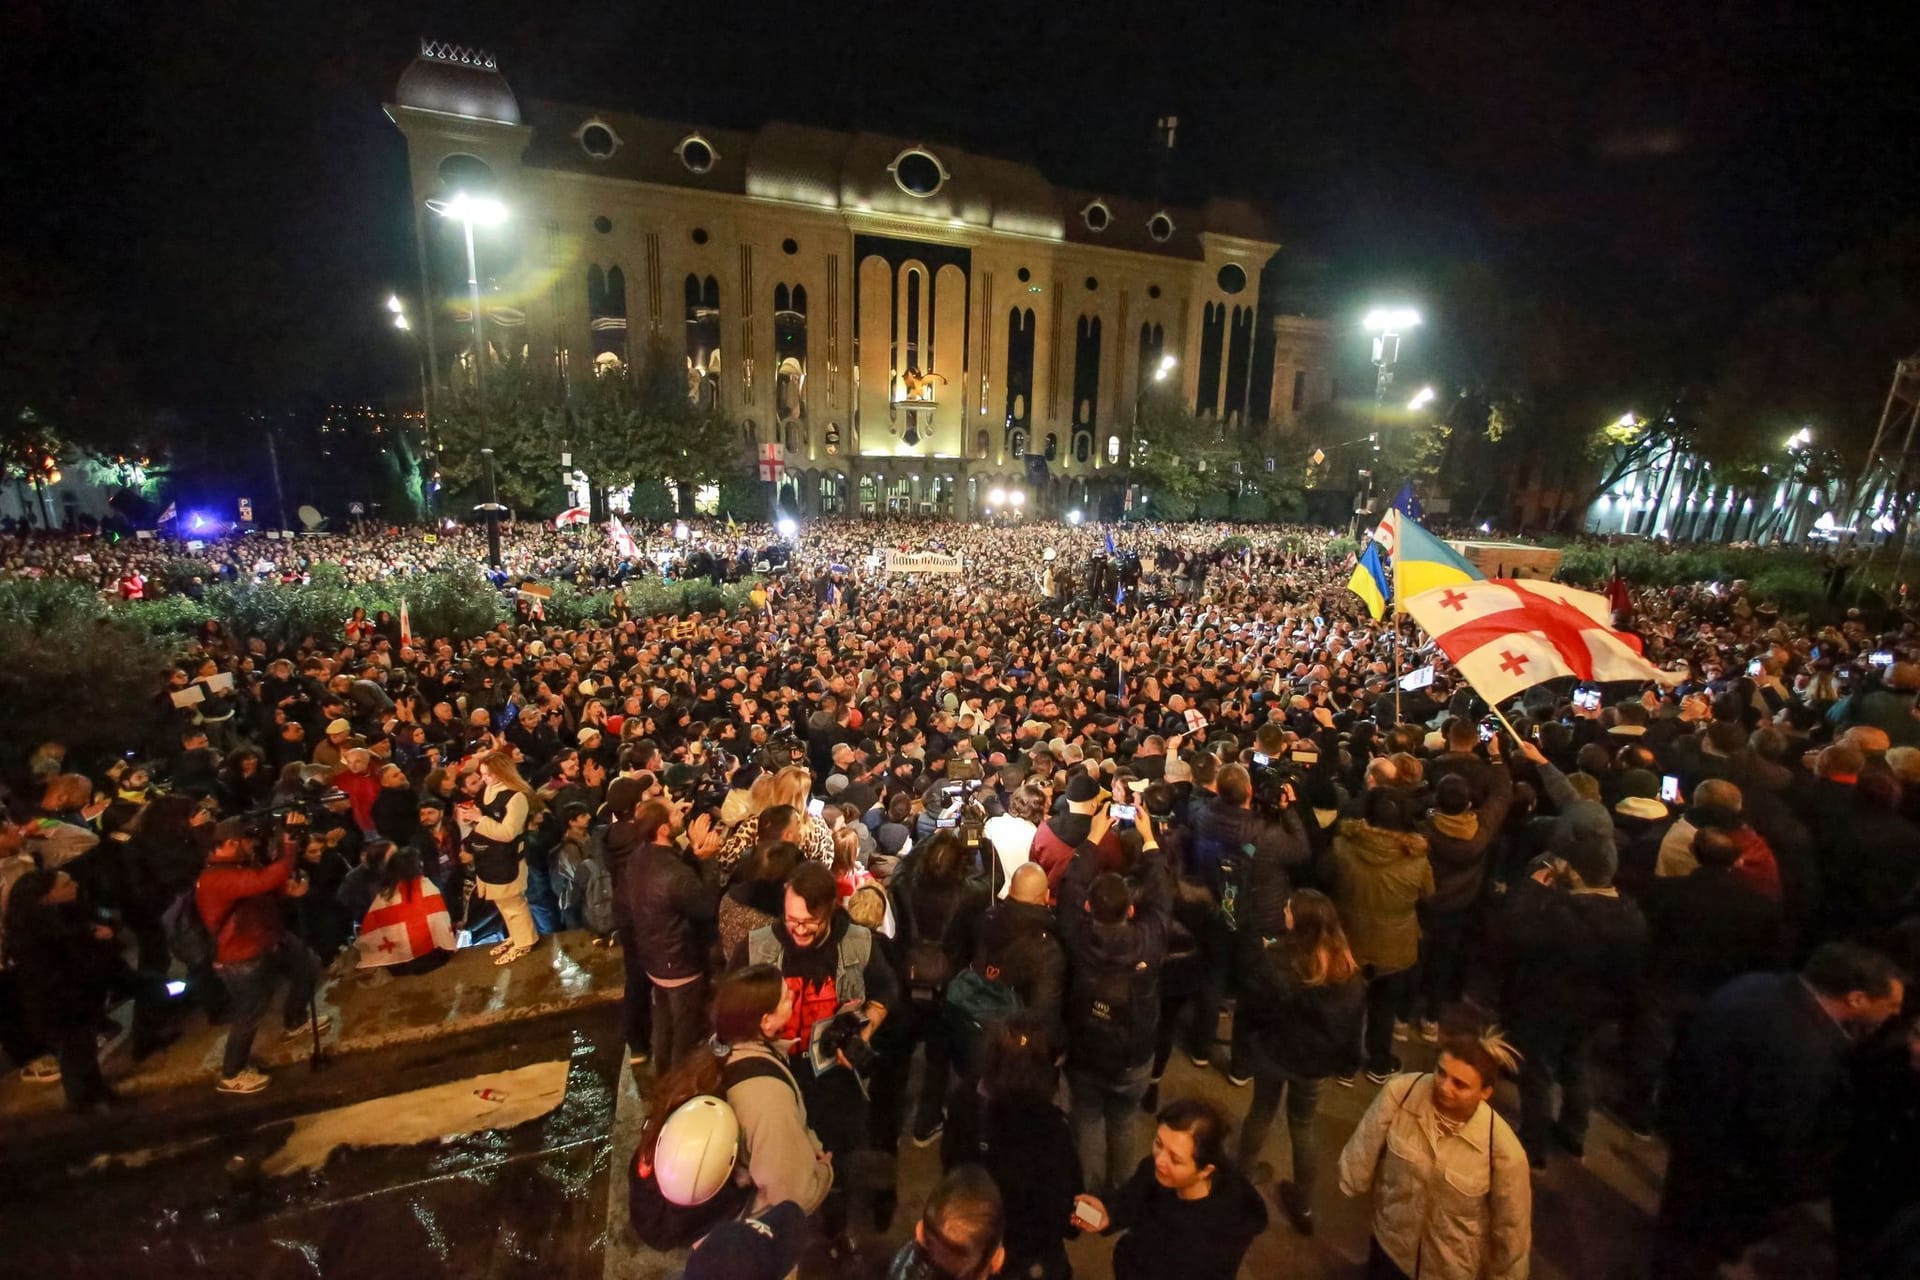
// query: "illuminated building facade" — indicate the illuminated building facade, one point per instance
point(917, 325)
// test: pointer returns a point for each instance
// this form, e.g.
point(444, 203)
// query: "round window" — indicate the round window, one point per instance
point(696, 154)
point(1232, 278)
point(1092, 284)
point(1153, 291)
point(918, 173)
point(699, 235)
point(597, 141)
point(603, 224)
point(1025, 275)
point(1096, 216)
point(789, 247)
point(1160, 227)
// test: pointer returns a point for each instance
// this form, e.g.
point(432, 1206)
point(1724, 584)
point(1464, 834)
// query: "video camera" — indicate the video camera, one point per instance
point(956, 810)
point(782, 750)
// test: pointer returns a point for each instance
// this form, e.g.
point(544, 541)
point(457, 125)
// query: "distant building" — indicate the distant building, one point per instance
point(916, 324)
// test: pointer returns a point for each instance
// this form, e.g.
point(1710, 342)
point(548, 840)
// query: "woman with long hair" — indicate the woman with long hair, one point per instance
point(1302, 999)
point(495, 847)
point(742, 1064)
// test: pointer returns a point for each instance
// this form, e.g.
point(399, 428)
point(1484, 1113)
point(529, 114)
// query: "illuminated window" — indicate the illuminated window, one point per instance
point(1160, 227)
point(696, 153)
point(1113, 448)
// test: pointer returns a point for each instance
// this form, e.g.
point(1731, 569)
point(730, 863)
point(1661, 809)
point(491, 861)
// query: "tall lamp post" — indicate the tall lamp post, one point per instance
point(470, 211)
point(1386, 324)
point(398, 310)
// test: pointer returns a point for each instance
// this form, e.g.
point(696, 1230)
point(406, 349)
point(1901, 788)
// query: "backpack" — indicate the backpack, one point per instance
point(186, 932)
point(593, 881)
point(929, 967)
point(974, 1000)
point(662, 1224)
point(1104, 1007)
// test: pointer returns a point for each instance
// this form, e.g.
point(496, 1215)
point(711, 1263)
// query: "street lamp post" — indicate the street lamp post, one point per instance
point(487, 212)
point(1386, 325)
point(398, 310)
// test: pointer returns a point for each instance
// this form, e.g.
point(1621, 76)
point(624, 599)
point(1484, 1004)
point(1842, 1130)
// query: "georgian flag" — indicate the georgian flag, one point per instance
point(622, 540)
point(1504, 635)
point(406, 624)
point(402, 928)
point(572, 515)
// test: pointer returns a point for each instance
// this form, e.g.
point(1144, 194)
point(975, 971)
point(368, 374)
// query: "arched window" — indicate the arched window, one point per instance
point(982, 442)
point(607, 315)
point(1053, 446)
point(703, 341)
point(1082, 447)
point(1017, 443)
point(1113, 449)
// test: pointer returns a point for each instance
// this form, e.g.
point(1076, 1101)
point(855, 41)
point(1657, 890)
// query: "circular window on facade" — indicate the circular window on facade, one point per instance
point(1153, 291)
point(1024, 274)
point(696, 153)
point(598, 141)
point(918, 173)
point(1160, 227)
point(1232, 278)
point(603, 224)
point(1092, 284)
point(1096, 216)
point(699, 235)
point(462, 172)
point(789, 247)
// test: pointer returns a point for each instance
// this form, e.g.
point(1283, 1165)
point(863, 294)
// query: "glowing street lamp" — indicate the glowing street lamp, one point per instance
point(1165, 368)
point(786, 527)
point(485, 211)
point(1074, 517)
point(997, 497)
point(1421, 398)
point(1018, 498)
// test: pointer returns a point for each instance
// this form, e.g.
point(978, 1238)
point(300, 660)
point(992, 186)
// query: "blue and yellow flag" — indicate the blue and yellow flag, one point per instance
point(1421, 561)
point(1369, 581)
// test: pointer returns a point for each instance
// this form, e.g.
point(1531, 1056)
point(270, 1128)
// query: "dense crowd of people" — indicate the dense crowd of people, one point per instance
point(1095, 797)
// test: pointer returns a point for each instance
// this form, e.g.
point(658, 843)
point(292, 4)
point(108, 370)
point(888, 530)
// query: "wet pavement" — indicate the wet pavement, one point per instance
point(179, 1185)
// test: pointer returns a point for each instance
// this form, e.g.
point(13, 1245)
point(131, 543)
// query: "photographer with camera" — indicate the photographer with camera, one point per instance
point(238, 903)
point(1246, 852)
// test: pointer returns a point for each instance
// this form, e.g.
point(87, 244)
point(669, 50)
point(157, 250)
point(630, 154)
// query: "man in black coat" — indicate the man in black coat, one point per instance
point(672, 898)
point(1756, 1110)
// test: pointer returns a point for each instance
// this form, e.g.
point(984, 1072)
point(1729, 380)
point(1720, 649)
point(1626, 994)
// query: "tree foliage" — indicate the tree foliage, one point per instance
point(1180, 456)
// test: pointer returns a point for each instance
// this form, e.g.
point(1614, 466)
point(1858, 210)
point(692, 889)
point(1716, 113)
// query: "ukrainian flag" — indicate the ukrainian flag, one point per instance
point(1369, 582)
point(1421, 561)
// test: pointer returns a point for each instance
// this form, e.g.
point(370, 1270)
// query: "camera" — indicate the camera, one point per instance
point(840, 1035)
point(783, 749)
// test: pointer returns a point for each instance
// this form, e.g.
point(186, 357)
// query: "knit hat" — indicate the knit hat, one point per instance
point(1593, 857)
point(1082, 789)
point(623, 794)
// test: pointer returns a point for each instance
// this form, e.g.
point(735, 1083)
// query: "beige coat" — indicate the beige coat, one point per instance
point(1444, 1207)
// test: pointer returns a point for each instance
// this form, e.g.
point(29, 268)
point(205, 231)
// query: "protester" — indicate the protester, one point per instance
point(1452, 1198)
point(494, 847)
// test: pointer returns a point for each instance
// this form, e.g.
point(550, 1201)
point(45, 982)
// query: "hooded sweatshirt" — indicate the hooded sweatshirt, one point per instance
point(1458, 845)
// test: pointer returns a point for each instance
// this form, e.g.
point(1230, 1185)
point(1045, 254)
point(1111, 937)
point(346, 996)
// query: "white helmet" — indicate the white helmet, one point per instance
point(694, 1155)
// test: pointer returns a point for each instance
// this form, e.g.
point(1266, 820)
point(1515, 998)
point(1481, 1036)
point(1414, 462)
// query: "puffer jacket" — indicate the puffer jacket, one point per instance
point(669, 902)
point(1458, 845)
point(1453, 1207)
point(1379, 876)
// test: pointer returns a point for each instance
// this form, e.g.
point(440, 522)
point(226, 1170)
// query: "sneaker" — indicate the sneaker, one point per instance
point(307, 1028)
point(1401, 1030)
point(1238, 1079)
point(250, 1080)
point(1430, 1031)
point(1383, 1074)
point(640, 1059)
point(1345, 1082)
point(927, 1137)
point(1199, 1057)
point(1295, 1206)
point(44, 1069)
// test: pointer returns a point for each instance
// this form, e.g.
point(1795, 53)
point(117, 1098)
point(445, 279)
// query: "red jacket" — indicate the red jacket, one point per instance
point(1756, 866)
point(241, 907)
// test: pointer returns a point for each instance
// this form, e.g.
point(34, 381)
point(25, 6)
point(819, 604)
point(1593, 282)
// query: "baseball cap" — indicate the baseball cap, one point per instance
point(1082, 789)
point(766, 1246)
point(586, 733)
point(338, 726)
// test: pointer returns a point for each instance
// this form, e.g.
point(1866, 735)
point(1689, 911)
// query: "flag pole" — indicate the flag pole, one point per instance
point(1505, 723)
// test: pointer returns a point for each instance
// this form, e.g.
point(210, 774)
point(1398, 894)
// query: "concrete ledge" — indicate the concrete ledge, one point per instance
point(468, 993)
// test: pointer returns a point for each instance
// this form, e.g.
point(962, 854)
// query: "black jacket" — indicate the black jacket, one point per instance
point(668, 901)
point(1193, 1239)
point(1021, 941)
point(1030, 1153)
point(1301, 1030)
point(1568, 958)
point(1758, 1092)
point(1113, 994)
point(1706, 929)
point(1239, 848)
point(1460, 857)
point(622, 842)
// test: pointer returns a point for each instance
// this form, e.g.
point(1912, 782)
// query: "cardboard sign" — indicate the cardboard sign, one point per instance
point(219, 682)
point(188, 696)
point(195, 545)
point(1421, 679)
point(922, 562)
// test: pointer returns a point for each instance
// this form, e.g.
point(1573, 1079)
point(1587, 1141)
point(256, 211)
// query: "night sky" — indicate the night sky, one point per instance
point(218, 180)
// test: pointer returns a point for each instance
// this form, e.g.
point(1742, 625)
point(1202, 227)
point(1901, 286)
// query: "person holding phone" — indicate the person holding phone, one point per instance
point(496, 827)
point(1185, 1211)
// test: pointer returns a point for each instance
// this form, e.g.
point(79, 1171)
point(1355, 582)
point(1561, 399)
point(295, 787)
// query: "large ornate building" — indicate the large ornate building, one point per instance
point(917, 325)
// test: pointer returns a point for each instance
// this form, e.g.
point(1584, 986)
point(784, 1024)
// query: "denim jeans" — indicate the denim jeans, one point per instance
point(1109, 1129)
point(1386, 1001)
point(679, 1021)
point(1303, 1100)
point(250, 987)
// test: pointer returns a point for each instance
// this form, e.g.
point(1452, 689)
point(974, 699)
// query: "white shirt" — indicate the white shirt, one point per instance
point(1012, 841)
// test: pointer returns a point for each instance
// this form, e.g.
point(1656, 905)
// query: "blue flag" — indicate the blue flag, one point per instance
point(1407, 504)
point(1110, 550)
